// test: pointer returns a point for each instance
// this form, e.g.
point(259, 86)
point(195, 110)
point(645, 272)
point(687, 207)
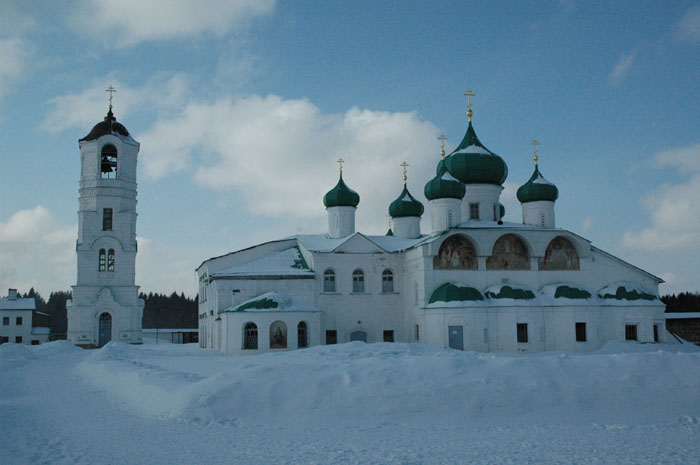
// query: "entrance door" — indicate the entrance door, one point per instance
point(358, 336)
point(456, 337)
point(105, 329)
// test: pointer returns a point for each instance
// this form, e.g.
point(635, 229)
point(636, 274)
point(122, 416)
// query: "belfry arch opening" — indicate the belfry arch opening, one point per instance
point(108, 162)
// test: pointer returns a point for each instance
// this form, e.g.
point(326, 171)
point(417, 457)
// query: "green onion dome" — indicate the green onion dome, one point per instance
point(472, 163)
point(341, 196)
point(537, 188)
point(444, 186)
point(405, 205)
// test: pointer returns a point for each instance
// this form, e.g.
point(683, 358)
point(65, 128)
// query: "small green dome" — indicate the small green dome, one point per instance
point(405, 205)
point(472, 163)
point(537, 188)
point(341, 196)
point(444, 186)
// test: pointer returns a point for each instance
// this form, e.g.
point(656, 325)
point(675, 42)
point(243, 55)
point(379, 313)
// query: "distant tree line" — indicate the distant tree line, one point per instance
point(683, 302)
point(160, 311)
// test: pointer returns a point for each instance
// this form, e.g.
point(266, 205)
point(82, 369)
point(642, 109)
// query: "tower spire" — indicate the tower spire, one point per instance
point(469, 94)
point(535, 144)
point(442, 139)
point(405, 178)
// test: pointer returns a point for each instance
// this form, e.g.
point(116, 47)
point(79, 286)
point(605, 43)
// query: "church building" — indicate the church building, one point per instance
point(473, 282)
point(105, 304)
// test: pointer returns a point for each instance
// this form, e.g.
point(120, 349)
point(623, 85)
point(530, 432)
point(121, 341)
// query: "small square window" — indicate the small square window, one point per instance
point(580, 332)
point(19, 321)
point(388, 336)
point(6, 321)
point(522, 332)
point(18, 339)
point(630, 332)
point(4, 339)
point(331, 336)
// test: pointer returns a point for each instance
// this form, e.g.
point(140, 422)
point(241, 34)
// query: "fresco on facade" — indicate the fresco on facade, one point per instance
point(509, 253)
point(456, 253)
point(560, 255)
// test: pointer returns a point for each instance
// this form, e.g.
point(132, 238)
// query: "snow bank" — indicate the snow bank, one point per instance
point(361, 383)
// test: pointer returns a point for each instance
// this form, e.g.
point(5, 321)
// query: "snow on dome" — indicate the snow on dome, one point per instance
point(474, 149)
point(272, 302)
point(541, 180)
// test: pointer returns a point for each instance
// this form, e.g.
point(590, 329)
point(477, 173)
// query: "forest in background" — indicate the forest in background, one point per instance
point(179, 311)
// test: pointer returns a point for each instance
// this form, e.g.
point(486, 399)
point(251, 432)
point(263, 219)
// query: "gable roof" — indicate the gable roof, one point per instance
point(288, 262)
point(22, 303)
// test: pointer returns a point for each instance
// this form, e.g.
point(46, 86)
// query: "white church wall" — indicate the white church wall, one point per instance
point(233, 324)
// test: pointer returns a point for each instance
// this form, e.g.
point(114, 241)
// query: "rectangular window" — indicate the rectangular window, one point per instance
point(106, 219)
point(110, 260)
point(103, 260)
point(19, 321)
point(580, 332)
point(388, 336)
point(358, 282)
point(18, 339)
point(630, 332)
point(387, 282)
point(656, 333)
point(473, 211)
point(35, 342)
point(417, 333)
point(6, 321)
point(331, 336)
point(4, 339)
point(522, 332)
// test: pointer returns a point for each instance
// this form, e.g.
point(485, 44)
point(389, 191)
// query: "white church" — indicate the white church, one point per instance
point(105, 304)
point(473, 282)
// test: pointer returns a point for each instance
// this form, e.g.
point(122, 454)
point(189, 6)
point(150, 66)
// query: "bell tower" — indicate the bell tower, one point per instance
point(105, 303)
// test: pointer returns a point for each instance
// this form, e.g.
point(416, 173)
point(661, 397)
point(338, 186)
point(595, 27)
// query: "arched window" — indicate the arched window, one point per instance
point(302, 335)
point(108, 162)
point(509, 253)
point(329, 281)
point(358, 281)
point(449, 218)
point(103, 260)
point(560, 255)
point(250, 336)
point(110, 260)
point(387, 282)
point(278, 335)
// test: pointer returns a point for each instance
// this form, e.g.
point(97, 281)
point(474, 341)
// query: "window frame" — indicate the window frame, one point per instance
point(107, 219)
point(331, 336)
point(329, 281)
point(250, 331)
point(474, 213)
point(387, 277)
point(581, 331)
point(631, 333)
point(18, 321)
point(302, 335)
point(102, 261)
point(110, 260)
point(6, 321)
point(358, 281)
point(388, 335)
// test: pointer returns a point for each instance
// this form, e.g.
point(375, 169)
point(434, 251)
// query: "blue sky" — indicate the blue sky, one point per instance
point(243, 107)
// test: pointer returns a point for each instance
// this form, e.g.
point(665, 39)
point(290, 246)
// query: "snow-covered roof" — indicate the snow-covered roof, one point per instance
point(287, 262)
point(272, 302)
point(681, 315)
point(23, 303)
point(324, 243)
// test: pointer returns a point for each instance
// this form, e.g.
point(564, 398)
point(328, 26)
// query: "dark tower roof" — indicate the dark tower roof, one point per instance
point(108, 126)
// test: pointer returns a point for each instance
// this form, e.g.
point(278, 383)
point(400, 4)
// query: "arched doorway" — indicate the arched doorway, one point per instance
point(105, 334)
point(358, 336)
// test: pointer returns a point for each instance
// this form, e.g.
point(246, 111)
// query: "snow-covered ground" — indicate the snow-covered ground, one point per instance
point(350, 403)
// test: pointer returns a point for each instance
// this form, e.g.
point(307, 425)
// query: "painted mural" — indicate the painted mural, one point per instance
point(509, 253)
point(560, 255)
point(456, 253)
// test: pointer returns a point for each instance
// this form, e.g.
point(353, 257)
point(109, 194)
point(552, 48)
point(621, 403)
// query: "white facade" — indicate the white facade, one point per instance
point(539, 213)
point(16, 321)
point(341, 221)
point(481, 202)
point(105, 303)
point(445, 214)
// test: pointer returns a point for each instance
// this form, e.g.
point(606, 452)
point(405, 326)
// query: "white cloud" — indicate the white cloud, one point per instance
point(688, 28)
point(674, 209)
point(36, 250)
point(621, 69)
point(82, 110)
point(13, 60)
point(278, 156)
point(128, 22)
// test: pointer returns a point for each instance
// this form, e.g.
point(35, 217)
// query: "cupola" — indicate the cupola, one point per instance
point(406, 211)
point(537, 197)
point(341, 203)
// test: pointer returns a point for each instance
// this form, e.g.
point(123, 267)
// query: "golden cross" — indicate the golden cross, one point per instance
point(469, 95)
point(111, 90)
point(442, 145)
point(405, 178)
point(535, 143)
point(340, 162)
